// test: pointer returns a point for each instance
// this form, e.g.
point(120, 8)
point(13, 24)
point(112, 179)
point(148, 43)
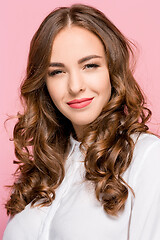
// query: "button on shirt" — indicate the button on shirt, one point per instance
point(76, 214)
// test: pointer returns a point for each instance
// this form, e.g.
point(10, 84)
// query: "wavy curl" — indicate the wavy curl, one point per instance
point(41, 134)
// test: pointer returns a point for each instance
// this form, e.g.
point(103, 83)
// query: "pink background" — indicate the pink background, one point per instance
point(138, 20)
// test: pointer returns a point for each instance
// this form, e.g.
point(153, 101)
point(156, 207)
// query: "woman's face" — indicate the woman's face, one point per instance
point(78, 77)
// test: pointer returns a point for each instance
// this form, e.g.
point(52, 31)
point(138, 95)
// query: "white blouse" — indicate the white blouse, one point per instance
point(76, 214)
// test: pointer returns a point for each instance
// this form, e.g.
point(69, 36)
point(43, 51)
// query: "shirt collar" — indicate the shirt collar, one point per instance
point(73, 144)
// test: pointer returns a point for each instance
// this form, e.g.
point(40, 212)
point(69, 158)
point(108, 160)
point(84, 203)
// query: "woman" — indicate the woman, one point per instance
point(88, 167)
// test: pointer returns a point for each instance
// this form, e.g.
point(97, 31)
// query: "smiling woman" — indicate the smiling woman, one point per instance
point(88, 168)
point(78, 78)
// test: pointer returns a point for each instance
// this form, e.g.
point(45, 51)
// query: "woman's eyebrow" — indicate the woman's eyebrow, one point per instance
point(84, 59)
point(56, 64)
point(88, 58)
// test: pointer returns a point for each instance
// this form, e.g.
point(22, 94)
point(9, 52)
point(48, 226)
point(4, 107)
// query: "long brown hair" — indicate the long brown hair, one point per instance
point(41, 134)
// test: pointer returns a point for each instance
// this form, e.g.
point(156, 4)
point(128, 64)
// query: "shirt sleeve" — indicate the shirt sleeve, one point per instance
point(14, 231)
point(145, 214)
point(26, 224)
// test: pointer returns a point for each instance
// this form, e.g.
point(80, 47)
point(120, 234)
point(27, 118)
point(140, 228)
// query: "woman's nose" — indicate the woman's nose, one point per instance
point(76, 83)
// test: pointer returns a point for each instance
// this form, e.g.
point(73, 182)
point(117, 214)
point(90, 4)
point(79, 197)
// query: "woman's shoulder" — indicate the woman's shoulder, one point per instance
point(145, 138)
point(144, 179)
point(26, 224)
point(144, 144)
point(146, 159)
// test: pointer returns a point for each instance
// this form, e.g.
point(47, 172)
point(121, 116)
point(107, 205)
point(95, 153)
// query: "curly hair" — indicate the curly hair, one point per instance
point(41, 135)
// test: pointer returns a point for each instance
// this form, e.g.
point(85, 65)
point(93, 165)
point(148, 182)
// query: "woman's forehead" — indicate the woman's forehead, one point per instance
point(74, 40)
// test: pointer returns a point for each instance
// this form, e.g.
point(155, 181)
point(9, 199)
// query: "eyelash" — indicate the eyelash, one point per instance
point(55, 72)
point(91, 65)
point(87, 66)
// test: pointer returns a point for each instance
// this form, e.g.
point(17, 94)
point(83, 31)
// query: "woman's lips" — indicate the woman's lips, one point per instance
point(80, 103)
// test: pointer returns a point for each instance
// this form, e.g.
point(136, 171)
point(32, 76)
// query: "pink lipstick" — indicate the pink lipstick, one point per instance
point(80, 103)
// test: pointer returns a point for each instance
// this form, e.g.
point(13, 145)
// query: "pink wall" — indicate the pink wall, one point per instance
point(138, 19)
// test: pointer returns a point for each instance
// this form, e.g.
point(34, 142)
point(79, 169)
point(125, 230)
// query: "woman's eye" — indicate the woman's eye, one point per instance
point(91, 65)
point(55, 72)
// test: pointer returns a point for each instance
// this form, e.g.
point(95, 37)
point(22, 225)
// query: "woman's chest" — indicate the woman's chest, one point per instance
point(81, 216)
